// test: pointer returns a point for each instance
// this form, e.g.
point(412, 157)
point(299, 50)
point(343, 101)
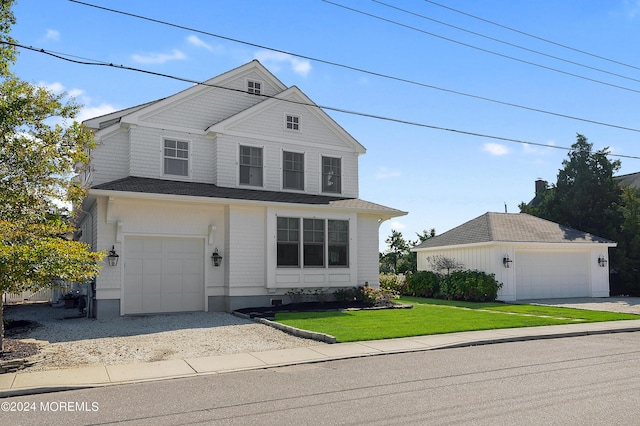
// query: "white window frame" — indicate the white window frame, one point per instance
point(302, 242)
point(252, 90)
point(165, 157)
point(240, 165)
point(304, 169)
point(292, 125)
point(322, 175)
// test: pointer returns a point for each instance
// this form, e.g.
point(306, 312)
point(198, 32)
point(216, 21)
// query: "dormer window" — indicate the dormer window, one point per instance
point(176, 157)
point(254, 87)
point(293, 122)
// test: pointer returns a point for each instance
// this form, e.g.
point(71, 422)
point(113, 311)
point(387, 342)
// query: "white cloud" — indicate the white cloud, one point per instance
point(159, 58)
point(56, 87)
point(397, 225)
point(495, 148)
point(385, 173)
point(80, 96)
point(53, 35)
point(274, 60)
point(196, 41)
point(95, 111)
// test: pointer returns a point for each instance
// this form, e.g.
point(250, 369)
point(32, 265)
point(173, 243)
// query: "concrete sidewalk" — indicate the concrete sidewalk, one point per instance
point(25, 383)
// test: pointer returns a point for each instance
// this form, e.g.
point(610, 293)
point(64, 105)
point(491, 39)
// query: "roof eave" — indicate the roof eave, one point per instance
point(383, 213)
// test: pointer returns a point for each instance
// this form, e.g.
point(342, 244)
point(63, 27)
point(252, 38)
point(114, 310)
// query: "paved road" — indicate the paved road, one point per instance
point(580, 380)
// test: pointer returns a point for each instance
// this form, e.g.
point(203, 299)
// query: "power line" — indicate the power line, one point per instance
point(360, 70)
point(68, 58)
point(564, 46)
point(479, 48)
point(505, 42)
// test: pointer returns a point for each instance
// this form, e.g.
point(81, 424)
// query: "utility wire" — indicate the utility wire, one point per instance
point(360, 70)
point(564, 46)
point(69, 58)
point(504, 42)
point(479, 48)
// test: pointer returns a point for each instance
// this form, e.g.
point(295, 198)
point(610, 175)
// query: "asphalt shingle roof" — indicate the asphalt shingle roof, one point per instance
point(198, 189)
point(510, 227)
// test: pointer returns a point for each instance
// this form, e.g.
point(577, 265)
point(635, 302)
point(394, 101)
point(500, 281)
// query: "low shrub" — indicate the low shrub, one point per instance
point(422, 284)
point(364, 294)
point(345, 294)
point(472, 286)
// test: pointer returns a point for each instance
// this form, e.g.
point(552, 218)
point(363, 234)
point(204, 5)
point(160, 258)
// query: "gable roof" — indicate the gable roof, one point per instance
point(133, 114)
point(631, 180)
point(513, 228)
point(297, 97)
point(139, 185)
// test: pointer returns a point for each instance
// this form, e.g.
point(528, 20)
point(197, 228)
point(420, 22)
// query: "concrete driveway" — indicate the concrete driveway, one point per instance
point(630, 305)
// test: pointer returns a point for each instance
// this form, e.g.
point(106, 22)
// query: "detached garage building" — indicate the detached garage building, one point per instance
point(533, 258)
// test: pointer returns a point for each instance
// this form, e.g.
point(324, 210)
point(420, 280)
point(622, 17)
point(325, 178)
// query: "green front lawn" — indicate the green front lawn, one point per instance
point(431, 316)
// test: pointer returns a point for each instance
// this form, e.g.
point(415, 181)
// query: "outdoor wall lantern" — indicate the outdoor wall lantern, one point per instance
point(506, 261)
point(216, 258)
point(602, 261)
point(113, 257)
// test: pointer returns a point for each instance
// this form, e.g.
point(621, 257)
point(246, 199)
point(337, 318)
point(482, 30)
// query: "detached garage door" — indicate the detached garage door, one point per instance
point(546, 275)
point(163, 275)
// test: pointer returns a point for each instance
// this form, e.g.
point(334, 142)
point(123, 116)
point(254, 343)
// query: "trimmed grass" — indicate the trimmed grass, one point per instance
point(432, 316)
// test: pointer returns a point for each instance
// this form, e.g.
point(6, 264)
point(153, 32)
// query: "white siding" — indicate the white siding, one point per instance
point(367, 243)
point(110, 158)
point(211, 106)
point(246, 252)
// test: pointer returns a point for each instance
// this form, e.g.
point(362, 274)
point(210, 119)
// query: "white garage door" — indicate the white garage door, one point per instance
point(163, 275)
point(546, 275)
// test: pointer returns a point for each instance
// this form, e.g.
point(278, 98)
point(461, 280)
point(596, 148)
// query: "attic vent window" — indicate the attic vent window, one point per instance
point(254, 87)
point(293, 122)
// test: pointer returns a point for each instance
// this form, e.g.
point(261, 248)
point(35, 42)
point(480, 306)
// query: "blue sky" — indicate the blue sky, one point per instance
point(441, 178)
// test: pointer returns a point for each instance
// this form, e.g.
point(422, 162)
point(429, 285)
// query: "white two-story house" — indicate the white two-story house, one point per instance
point(226, 195)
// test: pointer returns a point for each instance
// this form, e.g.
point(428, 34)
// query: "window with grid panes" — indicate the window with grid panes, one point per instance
point(313, 239)
point(338, 241)
point(176, 157)
point(293, 122)
point(331, 175)
point(250, 166)
point(292, 170)
point(288, 241)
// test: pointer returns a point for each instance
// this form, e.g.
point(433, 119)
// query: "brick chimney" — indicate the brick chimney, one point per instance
point(541, 186)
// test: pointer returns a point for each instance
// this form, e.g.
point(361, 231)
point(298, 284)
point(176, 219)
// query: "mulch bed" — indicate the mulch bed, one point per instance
point(13, 348)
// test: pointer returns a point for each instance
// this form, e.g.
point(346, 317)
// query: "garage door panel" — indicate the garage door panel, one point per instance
point(163, 275)
point(133, 303)
point(542, 275)
point(151, 302)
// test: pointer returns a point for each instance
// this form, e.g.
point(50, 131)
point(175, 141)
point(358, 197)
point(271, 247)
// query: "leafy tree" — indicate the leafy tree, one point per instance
point(626, 256)
point(399, 258)
point(40, 153)
point(397, 248)
point(585, 196)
